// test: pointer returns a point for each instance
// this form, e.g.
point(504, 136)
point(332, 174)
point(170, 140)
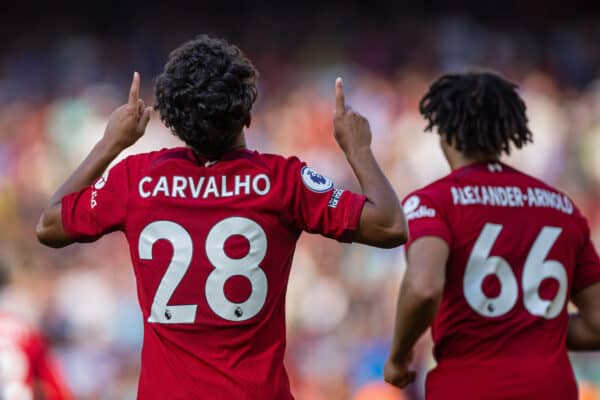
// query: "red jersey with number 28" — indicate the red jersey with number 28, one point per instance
point(518, 250)
point(211, 246)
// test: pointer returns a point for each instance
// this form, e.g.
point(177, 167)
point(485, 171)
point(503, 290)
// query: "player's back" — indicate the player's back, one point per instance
point(212, 246)
point(201, 299)
point(517, 252)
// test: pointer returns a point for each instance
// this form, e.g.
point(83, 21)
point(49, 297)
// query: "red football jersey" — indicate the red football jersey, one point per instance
point(25, 363)
point(518, 250)
point(211, 246)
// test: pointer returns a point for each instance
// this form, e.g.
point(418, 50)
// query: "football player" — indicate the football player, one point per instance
point(27, 368)
point(494, 255)
point(212, 225)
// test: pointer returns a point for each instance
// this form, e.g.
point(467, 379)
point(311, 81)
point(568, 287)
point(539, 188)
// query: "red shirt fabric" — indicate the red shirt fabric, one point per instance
point(519, 249)
point(211, 246)
point(26, 363)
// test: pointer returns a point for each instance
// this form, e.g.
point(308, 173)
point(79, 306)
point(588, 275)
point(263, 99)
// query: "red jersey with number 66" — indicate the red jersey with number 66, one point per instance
point(519, 249)
point(211, 246)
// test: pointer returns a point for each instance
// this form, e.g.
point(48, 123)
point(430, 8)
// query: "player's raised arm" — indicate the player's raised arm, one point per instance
point(125, 126)
point(382, 222)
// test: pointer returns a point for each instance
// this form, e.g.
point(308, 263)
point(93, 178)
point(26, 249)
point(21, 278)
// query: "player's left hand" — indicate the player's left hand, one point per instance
point(128, 123)
point(350, 129)
point(398, 374)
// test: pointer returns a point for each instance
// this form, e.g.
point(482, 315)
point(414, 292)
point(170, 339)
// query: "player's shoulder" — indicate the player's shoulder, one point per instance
point(159, 156)
point(163, 159)
point(437, 191)
point(269, 163)
point(139, 164)
point(427, 200)
point(292, 167)
point(281, 164)
point(186, 154)
point(526, 178)
point(277, 159)
point(546, 194)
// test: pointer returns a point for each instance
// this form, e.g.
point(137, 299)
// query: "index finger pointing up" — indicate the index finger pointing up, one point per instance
point(134, 92)
point(340, 101)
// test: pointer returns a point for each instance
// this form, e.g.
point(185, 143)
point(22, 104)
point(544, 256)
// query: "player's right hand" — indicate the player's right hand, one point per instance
point(128, 123)
point(398, 374)
point(351, 130)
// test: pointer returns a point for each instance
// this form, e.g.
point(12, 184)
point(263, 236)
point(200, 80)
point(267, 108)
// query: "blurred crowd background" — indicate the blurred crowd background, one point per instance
point(63, 68)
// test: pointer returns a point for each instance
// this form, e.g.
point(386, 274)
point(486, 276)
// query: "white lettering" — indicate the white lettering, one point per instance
point(239, 184)
point(93, 202)
point(203, 187)
point(196, 189)
point(485, 197)
point(224, 192)
point(463, 197)
point(539, 194)
point(162, 186)
point(267, 184)
point(469, 195)
point(554, 200)
point(502, 196)
point(211, 187)
point(494, 196)
point(518, 196)
point(179, 184)
point(455, 195)
point(531, 199)
point(421, 212)
point(476, 194)
point(144, 193)
point(510, 196)
point(568, 205)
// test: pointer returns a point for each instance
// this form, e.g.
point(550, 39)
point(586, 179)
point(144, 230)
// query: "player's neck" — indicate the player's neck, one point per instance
point(240, 142)
point(457, 159)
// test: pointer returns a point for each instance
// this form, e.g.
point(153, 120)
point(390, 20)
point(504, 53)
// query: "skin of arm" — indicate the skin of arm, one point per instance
point(126, 125)
point(583, 333)
point(382, 221)
point(418, 302)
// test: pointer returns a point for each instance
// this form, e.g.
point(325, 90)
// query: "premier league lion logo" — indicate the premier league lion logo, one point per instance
point(315, 181)
point(317, 178)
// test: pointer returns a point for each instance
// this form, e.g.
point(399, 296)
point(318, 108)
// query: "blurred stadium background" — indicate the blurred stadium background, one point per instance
point(64, 67)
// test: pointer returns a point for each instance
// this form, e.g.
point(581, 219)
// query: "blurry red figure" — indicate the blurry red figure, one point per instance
point(27, 369)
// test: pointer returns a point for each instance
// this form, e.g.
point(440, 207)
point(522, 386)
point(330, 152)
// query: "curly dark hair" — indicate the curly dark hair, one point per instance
point(481, 111)
point(205, 94)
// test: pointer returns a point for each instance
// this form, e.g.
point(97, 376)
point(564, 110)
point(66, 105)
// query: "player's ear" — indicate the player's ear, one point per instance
point(248, 121)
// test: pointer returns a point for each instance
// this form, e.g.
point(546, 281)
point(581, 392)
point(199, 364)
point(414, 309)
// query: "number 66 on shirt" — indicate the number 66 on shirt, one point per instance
point(515, 259)
point(535, 270)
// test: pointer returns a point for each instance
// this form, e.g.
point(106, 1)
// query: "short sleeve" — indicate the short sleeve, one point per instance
point(97, 209)
point(587, 267)
point(316, 206)
point(425, 217)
